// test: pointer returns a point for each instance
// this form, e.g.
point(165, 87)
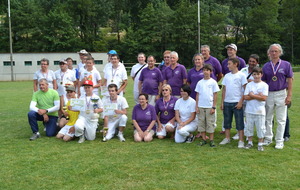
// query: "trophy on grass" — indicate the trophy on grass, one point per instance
point(95, 116)
point(104, 132)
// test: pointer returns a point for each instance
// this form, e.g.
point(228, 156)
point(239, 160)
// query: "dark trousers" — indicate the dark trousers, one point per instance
point(51, 127)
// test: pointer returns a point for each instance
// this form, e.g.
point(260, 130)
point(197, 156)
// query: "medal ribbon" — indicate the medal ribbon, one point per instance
point(273, 68)
point(87, 102)
point(166, 106)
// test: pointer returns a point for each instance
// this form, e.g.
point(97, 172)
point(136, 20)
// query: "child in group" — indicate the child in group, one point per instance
point(86, 124)
point(232, 101)
point(206, 100)
point(256, 93)
point(65, 132)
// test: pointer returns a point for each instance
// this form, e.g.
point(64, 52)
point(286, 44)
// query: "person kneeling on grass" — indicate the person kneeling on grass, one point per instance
point(118, 117)
point(65, 133)
point(86, 125)
point(185, 114)
point(43, 107)
point(206, 99)
point(256, 93)
point(143, 119)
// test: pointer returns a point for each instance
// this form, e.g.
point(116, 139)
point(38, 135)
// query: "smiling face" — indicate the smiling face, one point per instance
point(43, 86)
point(89, 65)
point(231, 52)
point(142, 100)
point(114, 60)
point(274, 53)
point(112, 93)
point(151, 62)
point(184, 94)
point(198, 61)
point(141, 58)
point(88, 90)
point(257, 76)
point(252, 62)
point(205, 52)
point(167, 58)
point(166, 92)
point(44, 65)
point(173, 59)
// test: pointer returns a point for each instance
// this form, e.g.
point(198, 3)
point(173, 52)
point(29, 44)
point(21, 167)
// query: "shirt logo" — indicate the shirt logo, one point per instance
point(176, 72)
point(153, 74)
point(172, 105)
point(148, 113)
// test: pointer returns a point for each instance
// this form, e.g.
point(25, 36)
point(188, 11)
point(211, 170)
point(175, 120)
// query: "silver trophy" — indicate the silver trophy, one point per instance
point(95, 116)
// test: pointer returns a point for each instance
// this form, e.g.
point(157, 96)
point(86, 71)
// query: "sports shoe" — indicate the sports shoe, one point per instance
point(81, 139)
point(225, 141)
point(279, 145)
point(203, 142)
point(248, 146)
point(241, 144)
point(286, 139)
point(190, 139)
point(212, 144)
point(121, 137)
point(236, 137)
point(104, 139)
point(35, 136)
point(267, 142)
point(260, 148)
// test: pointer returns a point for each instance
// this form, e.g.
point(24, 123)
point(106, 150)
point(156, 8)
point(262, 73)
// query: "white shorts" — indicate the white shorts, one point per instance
point(259, 122)
point(65, 131)
point(163, 131)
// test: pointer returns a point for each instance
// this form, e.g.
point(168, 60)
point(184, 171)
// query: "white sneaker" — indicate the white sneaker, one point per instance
point(225, 141)
point(121, 137)
point(81, 139)
point(236, 137)
point(104, 139)
point(267, 142)
point(241, 144)
point(279, 145)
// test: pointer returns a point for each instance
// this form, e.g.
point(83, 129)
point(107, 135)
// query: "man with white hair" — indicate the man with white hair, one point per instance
point(214, 62)
point(43, 107)
point(231, 52)
point(175, 75)
point(278, 75)
point(82, 53)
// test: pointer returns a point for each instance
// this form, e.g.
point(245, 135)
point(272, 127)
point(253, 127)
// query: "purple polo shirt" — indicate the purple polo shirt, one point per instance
point(193, 77)
point(151, 79)
point(216, 66)
point(225, 69)
point(284, 71)
point(175, 77)
point(160, 107)
point(144, 117)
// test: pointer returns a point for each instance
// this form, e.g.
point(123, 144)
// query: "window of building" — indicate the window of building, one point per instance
point(38, 62)
point(56, 62)
point(7, 63)
point(98, 62)
point(74, 62)
point(28, 63)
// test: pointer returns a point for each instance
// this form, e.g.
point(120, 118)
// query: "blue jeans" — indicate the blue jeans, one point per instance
point(51, 127)
point(287, 127)
point(228, 112)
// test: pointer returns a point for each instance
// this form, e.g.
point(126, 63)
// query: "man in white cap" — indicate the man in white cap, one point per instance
point(231, 52)
point(81, 53)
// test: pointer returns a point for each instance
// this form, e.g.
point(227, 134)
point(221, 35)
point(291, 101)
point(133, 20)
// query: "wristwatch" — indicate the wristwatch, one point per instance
point(214, 108)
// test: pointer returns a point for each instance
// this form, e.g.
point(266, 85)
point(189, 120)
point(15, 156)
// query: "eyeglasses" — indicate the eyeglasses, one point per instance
point(165, 90)
point(44, 64)
point(166, 56)
point(69, 92)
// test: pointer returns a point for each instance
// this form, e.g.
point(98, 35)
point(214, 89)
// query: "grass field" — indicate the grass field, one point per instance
point(49, 163)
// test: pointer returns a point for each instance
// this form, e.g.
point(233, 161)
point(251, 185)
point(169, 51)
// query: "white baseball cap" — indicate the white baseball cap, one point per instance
point(233, 46)
point(83, 51)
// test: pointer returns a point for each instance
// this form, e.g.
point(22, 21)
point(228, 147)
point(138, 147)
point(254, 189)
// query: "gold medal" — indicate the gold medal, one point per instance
point(166, 113)
point(274, 78)
point(87, 111)
point(61, 83)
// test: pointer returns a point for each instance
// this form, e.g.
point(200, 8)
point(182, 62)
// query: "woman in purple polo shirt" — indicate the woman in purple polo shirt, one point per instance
point(164, 108)
point(143, 118)
point(196, 73)
point(278, 74)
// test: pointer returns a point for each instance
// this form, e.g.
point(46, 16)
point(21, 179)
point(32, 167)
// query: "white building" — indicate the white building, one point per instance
point(26, 64)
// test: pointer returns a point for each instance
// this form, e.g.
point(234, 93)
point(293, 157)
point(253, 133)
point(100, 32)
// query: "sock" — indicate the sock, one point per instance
point(250, 142)
point(260, 144)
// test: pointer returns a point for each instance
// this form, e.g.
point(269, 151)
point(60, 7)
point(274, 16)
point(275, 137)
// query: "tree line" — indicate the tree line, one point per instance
point(133, 26)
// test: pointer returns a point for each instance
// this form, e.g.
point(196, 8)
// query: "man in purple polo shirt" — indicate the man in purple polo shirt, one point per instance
point(208, 59)
point(150, 81)
point(175, 75)
point(231, 52)
point(278, 75)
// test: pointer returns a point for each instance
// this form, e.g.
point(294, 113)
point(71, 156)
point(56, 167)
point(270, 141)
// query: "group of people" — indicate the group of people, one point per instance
point(169, 100)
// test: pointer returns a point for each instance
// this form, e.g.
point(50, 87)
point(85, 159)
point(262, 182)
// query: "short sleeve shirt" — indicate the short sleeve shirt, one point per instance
point(255, 106)
point(45, 100)
point(185, 108)
point(234, 86)
point(151, 79)
point(165, 109)
point(175, 77)
point(206, 90)
point(49, 76)
point(144, 117)
point(215, 63)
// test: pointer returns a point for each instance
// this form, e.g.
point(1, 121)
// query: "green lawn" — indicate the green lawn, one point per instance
point(49, 163)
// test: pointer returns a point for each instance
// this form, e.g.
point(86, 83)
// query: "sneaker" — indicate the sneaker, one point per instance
point(241, 144)
point(248, 146)
point(121, 137)
point(236, 137)
point(225, 141)
point(212, 144)
point(81, 139)
point(286, 139)
point(104, 139)
point(35, 136)
point(203, 142)
point(260, 148)
point(279, 145)
point(267, 142)
point(190, 139)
